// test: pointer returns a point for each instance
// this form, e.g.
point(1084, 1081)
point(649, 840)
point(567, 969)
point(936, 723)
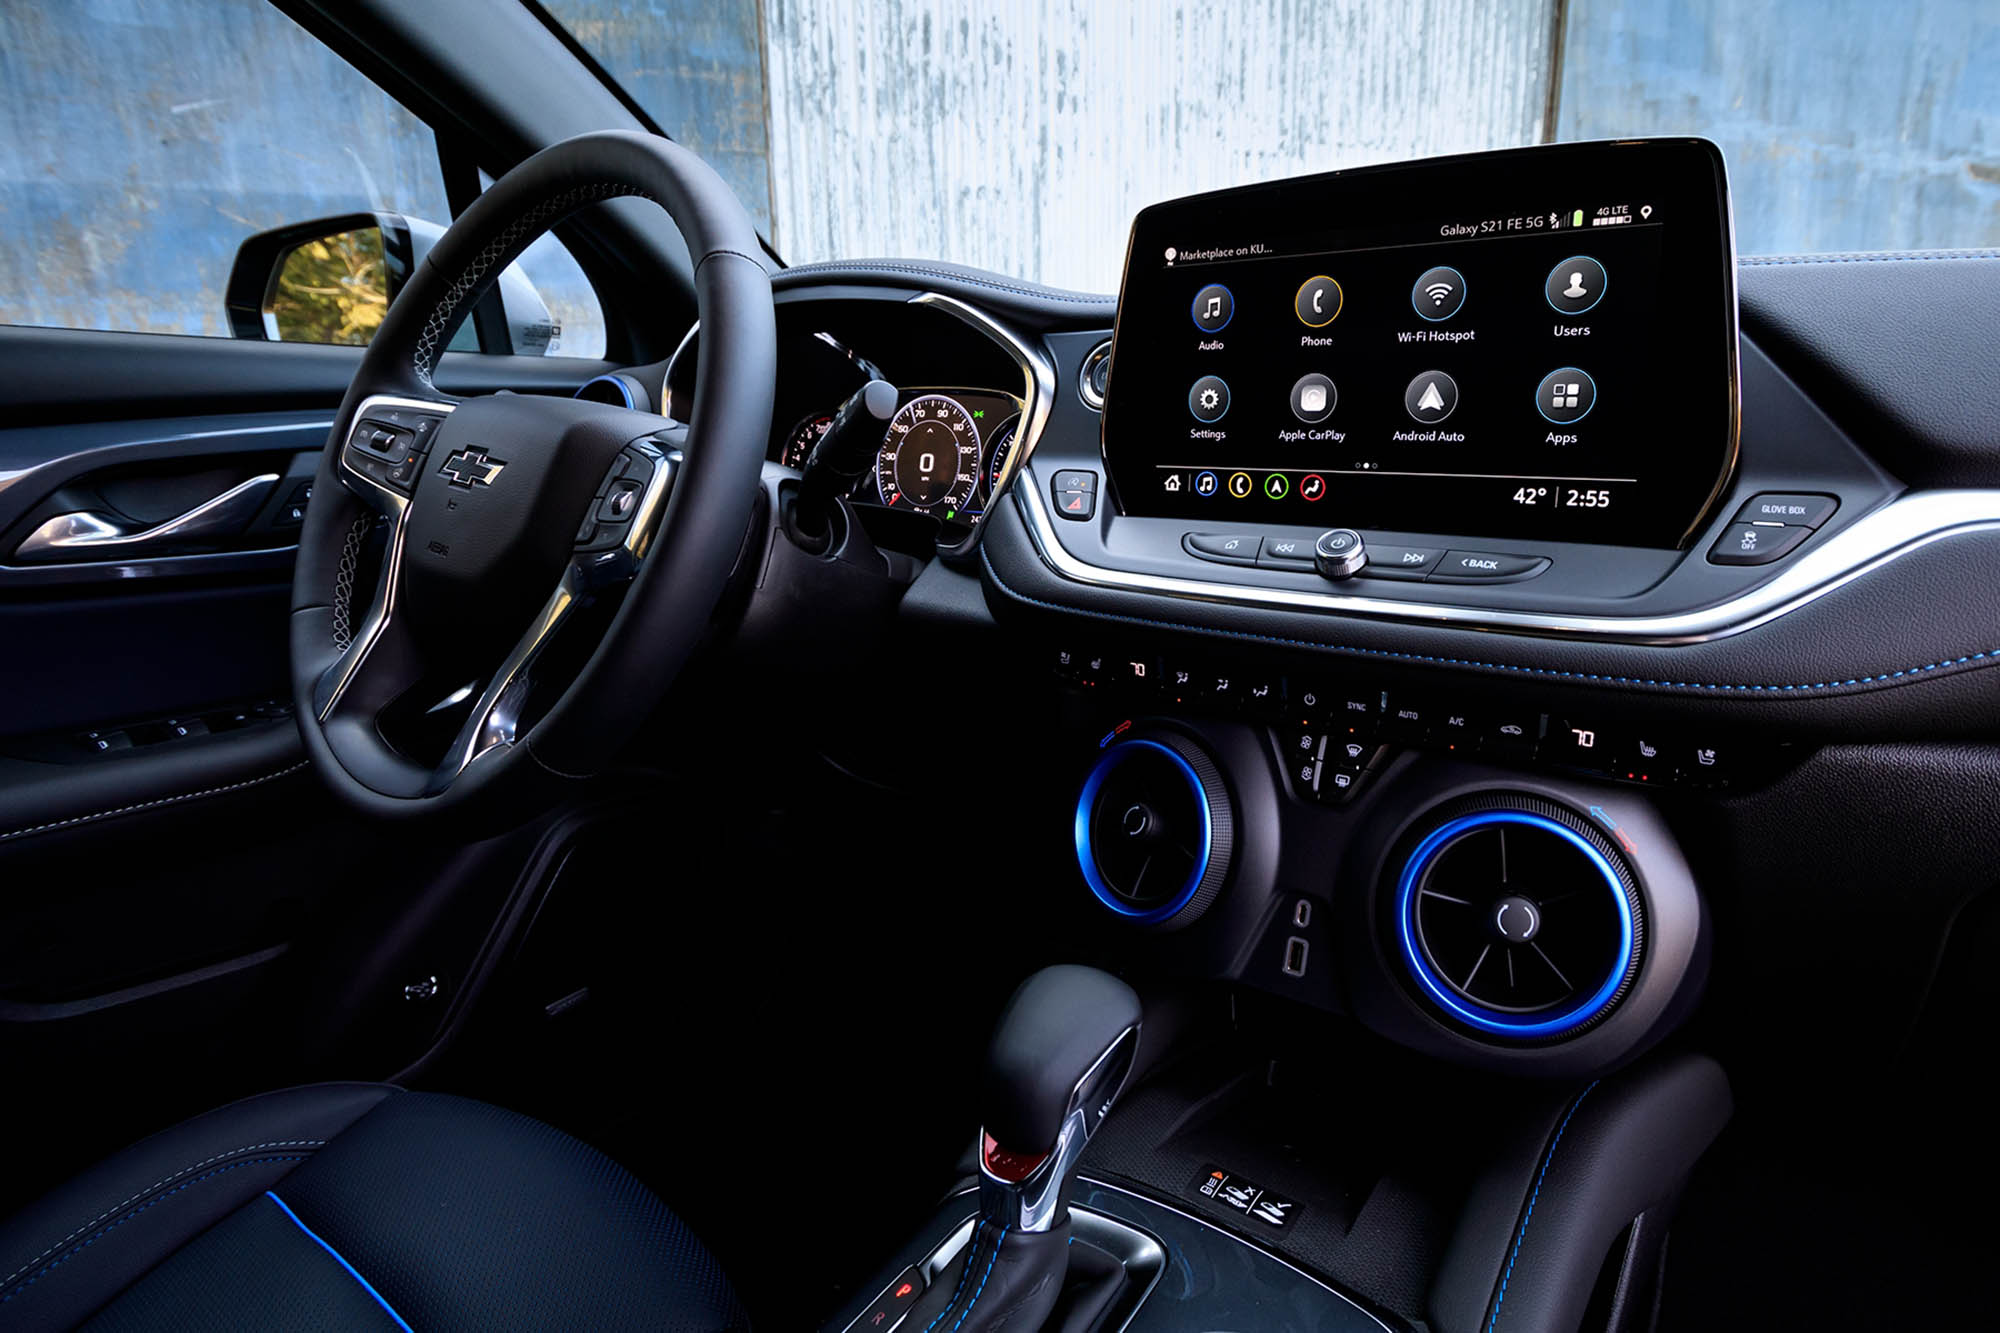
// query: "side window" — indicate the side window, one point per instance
point(145, 145)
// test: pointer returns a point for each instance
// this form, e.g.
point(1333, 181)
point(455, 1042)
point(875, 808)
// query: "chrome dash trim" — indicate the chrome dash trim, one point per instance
point(1905, 524)
point(1038, 374)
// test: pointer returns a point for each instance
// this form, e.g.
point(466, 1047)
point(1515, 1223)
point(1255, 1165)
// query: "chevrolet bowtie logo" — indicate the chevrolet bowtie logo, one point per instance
point(471, 467)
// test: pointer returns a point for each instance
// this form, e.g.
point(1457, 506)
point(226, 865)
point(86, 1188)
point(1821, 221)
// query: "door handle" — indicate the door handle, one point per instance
point(83, 535)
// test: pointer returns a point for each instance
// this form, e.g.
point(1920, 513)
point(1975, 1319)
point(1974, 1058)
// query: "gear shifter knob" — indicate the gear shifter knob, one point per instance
point(1058, 1060)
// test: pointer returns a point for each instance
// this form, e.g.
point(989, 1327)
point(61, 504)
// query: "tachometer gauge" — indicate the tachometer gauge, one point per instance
point(799, 443)
point(1000, 450)
point(930, 457)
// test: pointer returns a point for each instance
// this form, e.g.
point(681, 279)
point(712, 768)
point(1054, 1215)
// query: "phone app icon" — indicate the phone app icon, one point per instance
point(1240, 485)
point(1318, 302)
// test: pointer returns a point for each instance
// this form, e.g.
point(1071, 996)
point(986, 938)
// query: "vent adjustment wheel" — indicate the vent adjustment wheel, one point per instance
point(1518, 919)
point(1154, 830)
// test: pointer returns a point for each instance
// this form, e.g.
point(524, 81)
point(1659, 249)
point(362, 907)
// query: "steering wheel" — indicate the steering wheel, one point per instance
point(515, 524)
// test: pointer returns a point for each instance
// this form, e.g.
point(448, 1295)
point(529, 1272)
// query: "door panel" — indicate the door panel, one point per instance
point(185, 916)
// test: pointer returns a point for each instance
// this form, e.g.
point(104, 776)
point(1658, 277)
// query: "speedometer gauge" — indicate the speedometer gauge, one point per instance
point(930, 457)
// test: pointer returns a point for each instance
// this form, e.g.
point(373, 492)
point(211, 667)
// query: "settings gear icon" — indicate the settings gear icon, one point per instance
point(1208, 398)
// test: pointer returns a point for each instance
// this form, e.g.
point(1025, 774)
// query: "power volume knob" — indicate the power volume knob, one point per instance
point(1339, 553)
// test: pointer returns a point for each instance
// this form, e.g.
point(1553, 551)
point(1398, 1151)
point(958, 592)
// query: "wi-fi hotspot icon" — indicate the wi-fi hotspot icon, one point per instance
point(1439, 292)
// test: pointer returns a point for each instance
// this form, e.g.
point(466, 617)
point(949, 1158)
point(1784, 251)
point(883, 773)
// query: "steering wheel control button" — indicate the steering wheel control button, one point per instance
point(1410, 563)
point(1213, 308)
point(620, 502)
point(1293, 553)
point(1431, 397)
point(1229, 548)
point(1438, 294)
point(1804, 511)
point(1566, 396)
point(1756, 543)
point(1318, 302)
point(1313, 398)
point(1209, 399)
point(1576, 285)
point(1339, 553)
point(1486, 567)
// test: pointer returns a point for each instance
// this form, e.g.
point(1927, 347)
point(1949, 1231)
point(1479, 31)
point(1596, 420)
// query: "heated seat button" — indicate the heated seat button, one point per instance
point(1756, 543)
point(1486, 567)
point(1801, 511)
point(1229, 548)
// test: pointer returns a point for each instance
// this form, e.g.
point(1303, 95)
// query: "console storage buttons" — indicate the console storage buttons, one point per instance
point(1402, 562)
point(1229, 548)
point(1294, 553)
point(1756, 543)
point(1486, 567)
point(1802, 511)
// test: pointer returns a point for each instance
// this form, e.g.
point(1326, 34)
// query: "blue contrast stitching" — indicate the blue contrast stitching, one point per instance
point(341, 1259)
point(998, 1241)
point(98, 1235)
point(1549, 672)
point(971, 1253)
point(1522, 1234)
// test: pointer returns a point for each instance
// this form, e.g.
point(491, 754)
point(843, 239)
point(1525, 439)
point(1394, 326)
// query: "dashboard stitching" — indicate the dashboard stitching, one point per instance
point(1881, 677)
point(949, 275)
point(1526, 1217)
point(148, 805)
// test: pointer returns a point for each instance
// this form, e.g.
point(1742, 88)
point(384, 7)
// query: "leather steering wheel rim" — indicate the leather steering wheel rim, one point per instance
point(686, 564)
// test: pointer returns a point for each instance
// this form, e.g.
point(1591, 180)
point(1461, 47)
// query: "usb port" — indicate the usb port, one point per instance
point(1302, 913)
point(1295, 957)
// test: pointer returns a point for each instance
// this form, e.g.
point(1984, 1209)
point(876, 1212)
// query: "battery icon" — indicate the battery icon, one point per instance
point(1576, 218)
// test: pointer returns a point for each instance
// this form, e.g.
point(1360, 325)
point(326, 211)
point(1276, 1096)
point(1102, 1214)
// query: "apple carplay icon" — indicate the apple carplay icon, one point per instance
point(1432, 396)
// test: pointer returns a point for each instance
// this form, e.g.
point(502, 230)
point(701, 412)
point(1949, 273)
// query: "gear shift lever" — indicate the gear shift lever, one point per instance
point(1058, 1060)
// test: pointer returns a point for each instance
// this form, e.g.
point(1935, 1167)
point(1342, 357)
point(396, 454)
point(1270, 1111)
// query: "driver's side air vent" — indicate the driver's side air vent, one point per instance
point(1154, 830)
point(1518, 919)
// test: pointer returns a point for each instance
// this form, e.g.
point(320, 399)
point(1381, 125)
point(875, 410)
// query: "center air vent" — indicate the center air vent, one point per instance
point(1154, 830)
point(1519, 920)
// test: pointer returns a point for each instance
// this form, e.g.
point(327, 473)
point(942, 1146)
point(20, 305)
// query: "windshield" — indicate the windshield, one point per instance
point(1022, 135)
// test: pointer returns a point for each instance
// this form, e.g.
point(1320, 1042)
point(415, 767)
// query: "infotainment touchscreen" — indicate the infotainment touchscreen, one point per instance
point(1538, 343)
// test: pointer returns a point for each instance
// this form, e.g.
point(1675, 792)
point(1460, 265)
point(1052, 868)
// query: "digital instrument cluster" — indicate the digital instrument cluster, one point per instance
point(1538, 343)
point(943, 453)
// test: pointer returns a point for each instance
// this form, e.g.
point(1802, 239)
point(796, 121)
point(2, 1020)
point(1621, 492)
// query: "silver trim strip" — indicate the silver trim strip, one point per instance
point(1038, 376)
point(223, 515)
point(1906, 524)
point(333, 683)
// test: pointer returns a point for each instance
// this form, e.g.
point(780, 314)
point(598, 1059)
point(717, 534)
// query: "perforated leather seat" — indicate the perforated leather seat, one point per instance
point(356, 1206)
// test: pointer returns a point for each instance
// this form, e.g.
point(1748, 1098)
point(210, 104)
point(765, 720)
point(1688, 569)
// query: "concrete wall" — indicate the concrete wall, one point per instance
point(140, 140)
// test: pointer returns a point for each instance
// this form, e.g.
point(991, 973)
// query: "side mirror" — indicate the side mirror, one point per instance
point(331, 280)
